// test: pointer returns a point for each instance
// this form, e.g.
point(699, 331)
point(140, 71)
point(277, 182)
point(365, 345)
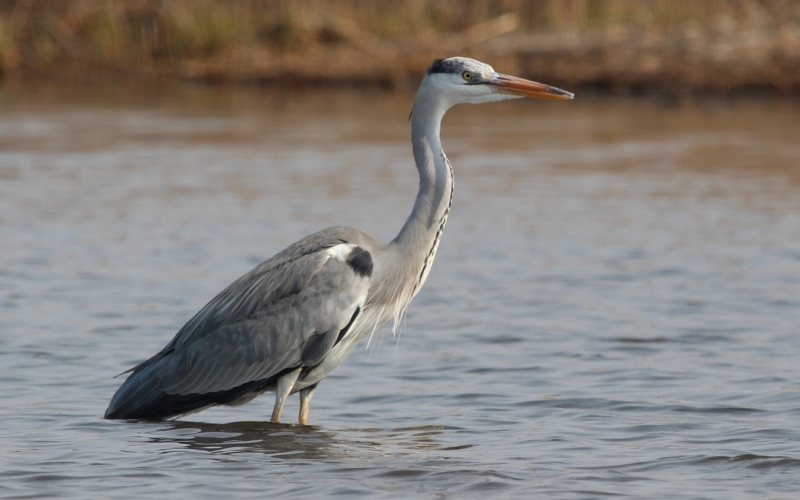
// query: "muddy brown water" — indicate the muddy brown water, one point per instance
point(614, 309)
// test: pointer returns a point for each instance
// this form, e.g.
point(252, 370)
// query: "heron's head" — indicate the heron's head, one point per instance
point(462, 80)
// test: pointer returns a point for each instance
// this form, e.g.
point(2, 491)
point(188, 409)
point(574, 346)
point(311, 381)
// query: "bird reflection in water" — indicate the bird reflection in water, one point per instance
point(277, 440)
point(301, 442)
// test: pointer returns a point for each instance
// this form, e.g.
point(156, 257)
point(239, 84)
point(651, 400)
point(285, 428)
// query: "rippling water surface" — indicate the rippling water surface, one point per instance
point(614, 310)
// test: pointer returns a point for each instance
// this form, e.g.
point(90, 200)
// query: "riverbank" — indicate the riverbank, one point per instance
point(619, 46)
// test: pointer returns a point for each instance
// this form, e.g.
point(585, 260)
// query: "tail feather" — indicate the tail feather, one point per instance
point(139, 397)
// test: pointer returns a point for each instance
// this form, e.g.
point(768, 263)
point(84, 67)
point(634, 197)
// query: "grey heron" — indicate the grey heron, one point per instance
point(286, 324)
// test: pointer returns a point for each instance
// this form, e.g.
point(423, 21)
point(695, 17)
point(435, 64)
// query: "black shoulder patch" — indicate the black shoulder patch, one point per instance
point(361, 262)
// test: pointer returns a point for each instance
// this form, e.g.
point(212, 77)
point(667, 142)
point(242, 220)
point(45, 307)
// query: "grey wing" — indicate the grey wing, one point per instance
point(275, 336)
point(275, 318)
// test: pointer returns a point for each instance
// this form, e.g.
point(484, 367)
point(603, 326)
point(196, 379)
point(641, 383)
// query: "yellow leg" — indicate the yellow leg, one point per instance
point(285, 385)
point(305, 399)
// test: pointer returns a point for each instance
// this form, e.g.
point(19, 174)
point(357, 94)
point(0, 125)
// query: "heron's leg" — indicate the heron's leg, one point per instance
point(285, 385)
point(305, 400)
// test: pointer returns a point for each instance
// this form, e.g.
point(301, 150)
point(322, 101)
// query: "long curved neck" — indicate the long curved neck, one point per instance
point(415, 246)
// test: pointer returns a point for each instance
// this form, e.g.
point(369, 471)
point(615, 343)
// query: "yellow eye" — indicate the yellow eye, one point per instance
point(466, 75)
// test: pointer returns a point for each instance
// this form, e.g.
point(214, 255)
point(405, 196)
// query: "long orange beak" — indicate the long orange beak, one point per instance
point(507, 84)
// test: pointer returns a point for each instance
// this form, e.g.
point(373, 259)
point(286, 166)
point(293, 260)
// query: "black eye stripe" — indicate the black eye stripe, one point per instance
point(456, 67)
point(443, 66)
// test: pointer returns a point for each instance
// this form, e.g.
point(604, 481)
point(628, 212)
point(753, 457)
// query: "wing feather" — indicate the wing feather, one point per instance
point(318, 294)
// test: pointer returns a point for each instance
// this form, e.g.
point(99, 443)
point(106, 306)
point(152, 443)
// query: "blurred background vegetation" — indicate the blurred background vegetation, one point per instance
point(616, 45)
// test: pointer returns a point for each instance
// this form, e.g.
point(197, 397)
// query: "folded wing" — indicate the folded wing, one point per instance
point(288, 312)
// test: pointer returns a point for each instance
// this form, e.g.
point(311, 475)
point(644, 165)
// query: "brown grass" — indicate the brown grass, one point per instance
point(617, 44)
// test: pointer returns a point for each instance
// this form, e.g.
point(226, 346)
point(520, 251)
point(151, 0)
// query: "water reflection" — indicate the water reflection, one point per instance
point(299, 442)
point(277, 440)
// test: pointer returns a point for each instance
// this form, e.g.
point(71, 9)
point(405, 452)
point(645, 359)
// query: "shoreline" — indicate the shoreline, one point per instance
point(727, 51)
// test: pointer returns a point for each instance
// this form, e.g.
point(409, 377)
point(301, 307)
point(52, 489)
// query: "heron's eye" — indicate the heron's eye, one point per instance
point(467, 76)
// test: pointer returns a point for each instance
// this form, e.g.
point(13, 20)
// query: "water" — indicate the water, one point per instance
point(614, 310)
